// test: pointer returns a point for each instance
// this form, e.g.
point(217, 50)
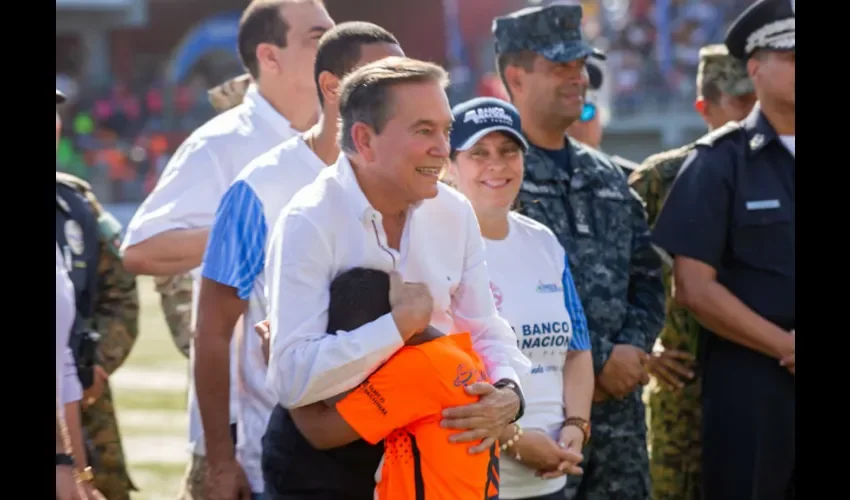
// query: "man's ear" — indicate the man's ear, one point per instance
point(700, 105)
point(363, 137)
point(267, 59)
point(513, 80)
point(753, 65)
point(329, 87)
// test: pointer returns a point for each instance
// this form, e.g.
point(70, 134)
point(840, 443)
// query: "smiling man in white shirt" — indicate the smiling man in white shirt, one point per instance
point(381, 207)
point(233, 284)
point(168, 234)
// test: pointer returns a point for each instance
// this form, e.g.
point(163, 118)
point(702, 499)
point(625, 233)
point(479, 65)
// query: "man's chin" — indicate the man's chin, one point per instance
point(427, 192)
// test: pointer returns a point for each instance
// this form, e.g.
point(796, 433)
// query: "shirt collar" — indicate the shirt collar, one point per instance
point(354, 194)
point(351, 187)
point(257, 104)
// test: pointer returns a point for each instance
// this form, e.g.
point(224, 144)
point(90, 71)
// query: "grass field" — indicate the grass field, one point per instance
point(150, 393)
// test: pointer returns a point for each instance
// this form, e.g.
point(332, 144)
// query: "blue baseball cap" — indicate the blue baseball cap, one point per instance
point(475, 118)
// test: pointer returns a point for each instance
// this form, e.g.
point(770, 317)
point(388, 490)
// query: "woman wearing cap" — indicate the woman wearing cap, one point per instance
point(534, 291)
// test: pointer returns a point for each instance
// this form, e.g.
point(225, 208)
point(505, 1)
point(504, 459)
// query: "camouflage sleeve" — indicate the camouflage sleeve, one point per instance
point(645, 314)
point(600, 350)
point(176, 300)
point(116, 316)
point(646, 181)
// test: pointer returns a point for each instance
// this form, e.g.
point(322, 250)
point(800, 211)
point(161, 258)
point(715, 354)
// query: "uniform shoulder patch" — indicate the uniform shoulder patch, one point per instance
point(711, 138)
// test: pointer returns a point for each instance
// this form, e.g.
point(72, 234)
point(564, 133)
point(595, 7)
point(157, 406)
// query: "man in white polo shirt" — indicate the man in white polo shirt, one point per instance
point(381, 206)
point(277, 44)
point(232, 283)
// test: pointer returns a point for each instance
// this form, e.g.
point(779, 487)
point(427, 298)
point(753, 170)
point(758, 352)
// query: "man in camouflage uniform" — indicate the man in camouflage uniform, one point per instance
point(116, 319)
point(176, 291)
point(724, 93)
point(584, 198)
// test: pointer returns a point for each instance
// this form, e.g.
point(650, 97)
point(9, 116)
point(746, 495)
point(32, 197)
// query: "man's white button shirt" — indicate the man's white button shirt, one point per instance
point(190, 188)
point(328, 228)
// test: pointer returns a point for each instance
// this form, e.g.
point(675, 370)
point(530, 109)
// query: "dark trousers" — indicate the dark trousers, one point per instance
point(748, 425)
point(558, 495)
point(294, 470)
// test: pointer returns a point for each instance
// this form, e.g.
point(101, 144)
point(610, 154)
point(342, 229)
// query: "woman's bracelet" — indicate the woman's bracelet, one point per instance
point(513, 441)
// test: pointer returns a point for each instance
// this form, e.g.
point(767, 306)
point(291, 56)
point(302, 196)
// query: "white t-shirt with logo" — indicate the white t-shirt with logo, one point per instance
point(527, 280)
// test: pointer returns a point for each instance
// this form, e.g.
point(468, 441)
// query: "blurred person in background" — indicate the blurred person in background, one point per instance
point(534, 291)
point(105, 326)
point(176, 291)
point(234, 262)
point(728, 222)
point(583, 197)
point(167, 236)
point(724, 93)
point(590, 126)
point(69, 391)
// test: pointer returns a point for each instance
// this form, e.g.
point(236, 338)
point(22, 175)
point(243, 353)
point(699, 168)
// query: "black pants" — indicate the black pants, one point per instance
point(558, 495)
point(294, 470)
point(748, 425)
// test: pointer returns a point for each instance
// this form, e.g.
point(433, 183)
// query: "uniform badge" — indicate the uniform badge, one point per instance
point(74, 237)
point(581, 224)
point(756, 141)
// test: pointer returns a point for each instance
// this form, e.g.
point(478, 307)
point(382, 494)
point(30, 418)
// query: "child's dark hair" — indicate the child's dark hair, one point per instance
point(358, 296)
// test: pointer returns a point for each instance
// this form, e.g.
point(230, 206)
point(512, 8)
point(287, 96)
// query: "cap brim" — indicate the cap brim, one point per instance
point(60, 97)
point(499, 128)
point(571, 51)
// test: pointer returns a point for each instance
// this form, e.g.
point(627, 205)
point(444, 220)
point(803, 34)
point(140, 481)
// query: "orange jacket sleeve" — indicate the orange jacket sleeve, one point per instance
point(401, 392)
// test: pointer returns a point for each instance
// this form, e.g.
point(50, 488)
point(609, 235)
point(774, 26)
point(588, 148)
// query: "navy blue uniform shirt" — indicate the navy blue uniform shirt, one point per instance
point(733, 207)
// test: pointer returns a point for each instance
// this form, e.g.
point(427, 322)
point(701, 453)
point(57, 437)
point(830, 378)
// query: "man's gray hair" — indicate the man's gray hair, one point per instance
point(365, 95)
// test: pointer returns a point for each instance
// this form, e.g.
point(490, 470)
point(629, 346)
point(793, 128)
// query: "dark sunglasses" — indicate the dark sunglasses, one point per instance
point(588, 112)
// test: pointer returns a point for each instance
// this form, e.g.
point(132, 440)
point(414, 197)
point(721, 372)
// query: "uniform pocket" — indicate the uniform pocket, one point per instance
point(764, 239)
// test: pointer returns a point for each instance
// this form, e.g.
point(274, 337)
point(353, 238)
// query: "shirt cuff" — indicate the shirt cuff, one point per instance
point(386, 335)
point(507, 372)
point(145, 232)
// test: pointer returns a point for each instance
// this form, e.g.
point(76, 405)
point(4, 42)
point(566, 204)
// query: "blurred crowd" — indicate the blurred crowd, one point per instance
point(653, 58)
point(121, 136)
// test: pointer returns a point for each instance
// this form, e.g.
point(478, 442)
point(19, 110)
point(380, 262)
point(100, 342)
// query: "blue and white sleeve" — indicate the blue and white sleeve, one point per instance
point(580, 340)
point(235, 253)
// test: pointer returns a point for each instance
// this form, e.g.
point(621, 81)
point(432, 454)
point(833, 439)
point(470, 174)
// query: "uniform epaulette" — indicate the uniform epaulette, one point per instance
point(712, 137)
point(73, 182)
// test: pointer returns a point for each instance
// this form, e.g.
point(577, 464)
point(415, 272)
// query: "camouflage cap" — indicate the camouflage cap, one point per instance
point(553, 31)
point(719, 67)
